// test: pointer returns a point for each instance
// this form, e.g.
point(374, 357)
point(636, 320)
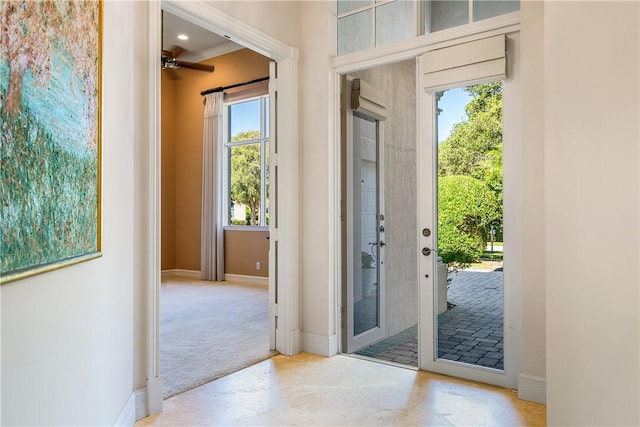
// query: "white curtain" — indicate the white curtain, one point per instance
point(212, 244)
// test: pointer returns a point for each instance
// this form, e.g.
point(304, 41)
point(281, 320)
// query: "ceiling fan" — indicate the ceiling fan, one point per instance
point(169, 60)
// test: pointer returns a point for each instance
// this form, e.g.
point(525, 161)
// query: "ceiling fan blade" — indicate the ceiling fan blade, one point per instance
point(177, 51)
point(196, 66)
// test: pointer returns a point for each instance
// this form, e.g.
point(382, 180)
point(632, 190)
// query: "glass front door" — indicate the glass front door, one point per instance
point(468, 229)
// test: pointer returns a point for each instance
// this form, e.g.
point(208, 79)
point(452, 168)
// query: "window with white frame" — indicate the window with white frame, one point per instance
point(247, 161)
point(364, 24)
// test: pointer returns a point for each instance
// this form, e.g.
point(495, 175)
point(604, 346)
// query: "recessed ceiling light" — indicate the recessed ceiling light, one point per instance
point(183, 37)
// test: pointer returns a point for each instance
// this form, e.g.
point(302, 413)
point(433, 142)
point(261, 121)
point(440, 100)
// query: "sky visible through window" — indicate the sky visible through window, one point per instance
point(245, 117)
point(452, 105)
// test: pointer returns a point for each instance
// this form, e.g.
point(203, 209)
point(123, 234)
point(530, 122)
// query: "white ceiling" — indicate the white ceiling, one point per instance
point(202, 44)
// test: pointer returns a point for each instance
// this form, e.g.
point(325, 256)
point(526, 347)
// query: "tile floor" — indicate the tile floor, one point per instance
point(344, 391)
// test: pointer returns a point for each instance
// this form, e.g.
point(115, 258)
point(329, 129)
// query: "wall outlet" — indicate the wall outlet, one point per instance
point(258, 265)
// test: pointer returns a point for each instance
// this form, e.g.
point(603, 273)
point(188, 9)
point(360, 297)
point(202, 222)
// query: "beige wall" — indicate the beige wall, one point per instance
point(533, 184)
point(243, 249)
point(591, 104)
point(186, 150)
point(279, 19)
point(398, 81)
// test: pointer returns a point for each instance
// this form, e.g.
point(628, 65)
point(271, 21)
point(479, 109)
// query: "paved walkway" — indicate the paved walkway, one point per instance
point(471, 332)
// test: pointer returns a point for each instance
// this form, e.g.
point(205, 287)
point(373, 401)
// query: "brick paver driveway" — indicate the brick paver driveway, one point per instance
point(471, 332)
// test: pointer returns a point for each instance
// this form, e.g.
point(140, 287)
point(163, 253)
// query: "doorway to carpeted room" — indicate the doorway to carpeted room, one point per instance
point(209, 330)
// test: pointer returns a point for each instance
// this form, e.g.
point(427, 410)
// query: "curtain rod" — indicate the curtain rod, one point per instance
point(223, 88)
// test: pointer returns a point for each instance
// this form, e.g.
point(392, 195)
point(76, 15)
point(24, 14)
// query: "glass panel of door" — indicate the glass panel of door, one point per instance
point(366, 294)
point(469, 285)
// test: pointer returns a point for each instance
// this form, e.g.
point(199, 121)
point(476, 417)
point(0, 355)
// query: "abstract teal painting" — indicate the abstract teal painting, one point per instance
point(50, 76)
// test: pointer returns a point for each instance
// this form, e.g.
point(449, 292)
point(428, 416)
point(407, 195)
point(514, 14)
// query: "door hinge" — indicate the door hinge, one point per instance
point(273, 160)
point(273, 85)
point(274, 309)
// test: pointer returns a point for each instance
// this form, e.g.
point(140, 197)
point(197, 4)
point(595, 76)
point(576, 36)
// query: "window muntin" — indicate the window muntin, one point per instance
point(247, 151)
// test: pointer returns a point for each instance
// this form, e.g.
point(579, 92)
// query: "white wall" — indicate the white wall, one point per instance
point(591, 110)
point(67, 335)
point(316, 168)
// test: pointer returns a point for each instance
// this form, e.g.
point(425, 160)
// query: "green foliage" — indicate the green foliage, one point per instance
point(484, 97)
point(245, 178)
point(48, 197)
point(474, 147)
point(466, 209)
point(492, 255)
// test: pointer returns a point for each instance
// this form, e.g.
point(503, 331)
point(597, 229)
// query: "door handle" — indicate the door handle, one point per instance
point(426, 251)
point(382, 243)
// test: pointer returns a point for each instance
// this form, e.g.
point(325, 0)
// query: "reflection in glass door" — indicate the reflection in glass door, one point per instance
point(365, 231)
point(366, 296)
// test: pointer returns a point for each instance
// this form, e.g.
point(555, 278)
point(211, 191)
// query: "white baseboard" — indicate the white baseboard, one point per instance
point(319, 344)
point(240, 278)
point(333, 345)
point(177, 272)
point(154, 395)
point(127, 415)
point(141, 403)
point(532, 388)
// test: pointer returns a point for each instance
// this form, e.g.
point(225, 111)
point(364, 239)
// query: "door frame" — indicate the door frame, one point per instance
point(209, 17)
point(372, 107)
point(412, 49)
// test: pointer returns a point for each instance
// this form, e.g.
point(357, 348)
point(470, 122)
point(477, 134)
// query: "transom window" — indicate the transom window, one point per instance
point(247, 161)
point(364, 24)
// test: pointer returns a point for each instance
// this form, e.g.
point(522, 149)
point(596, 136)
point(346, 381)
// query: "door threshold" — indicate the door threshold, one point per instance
point(381, 361)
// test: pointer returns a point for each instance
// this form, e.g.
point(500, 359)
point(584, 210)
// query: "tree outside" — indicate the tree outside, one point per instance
point(245, 174)
point(470, 179)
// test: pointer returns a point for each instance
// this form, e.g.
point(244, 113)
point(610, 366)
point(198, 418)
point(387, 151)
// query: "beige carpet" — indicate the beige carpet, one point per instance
point(208, 330)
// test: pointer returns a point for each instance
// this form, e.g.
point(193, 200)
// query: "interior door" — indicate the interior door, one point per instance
point(465, 360)
point(363, 197)
point(273, 208)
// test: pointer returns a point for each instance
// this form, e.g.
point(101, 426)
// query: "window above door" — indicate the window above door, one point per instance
point(365, 24)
